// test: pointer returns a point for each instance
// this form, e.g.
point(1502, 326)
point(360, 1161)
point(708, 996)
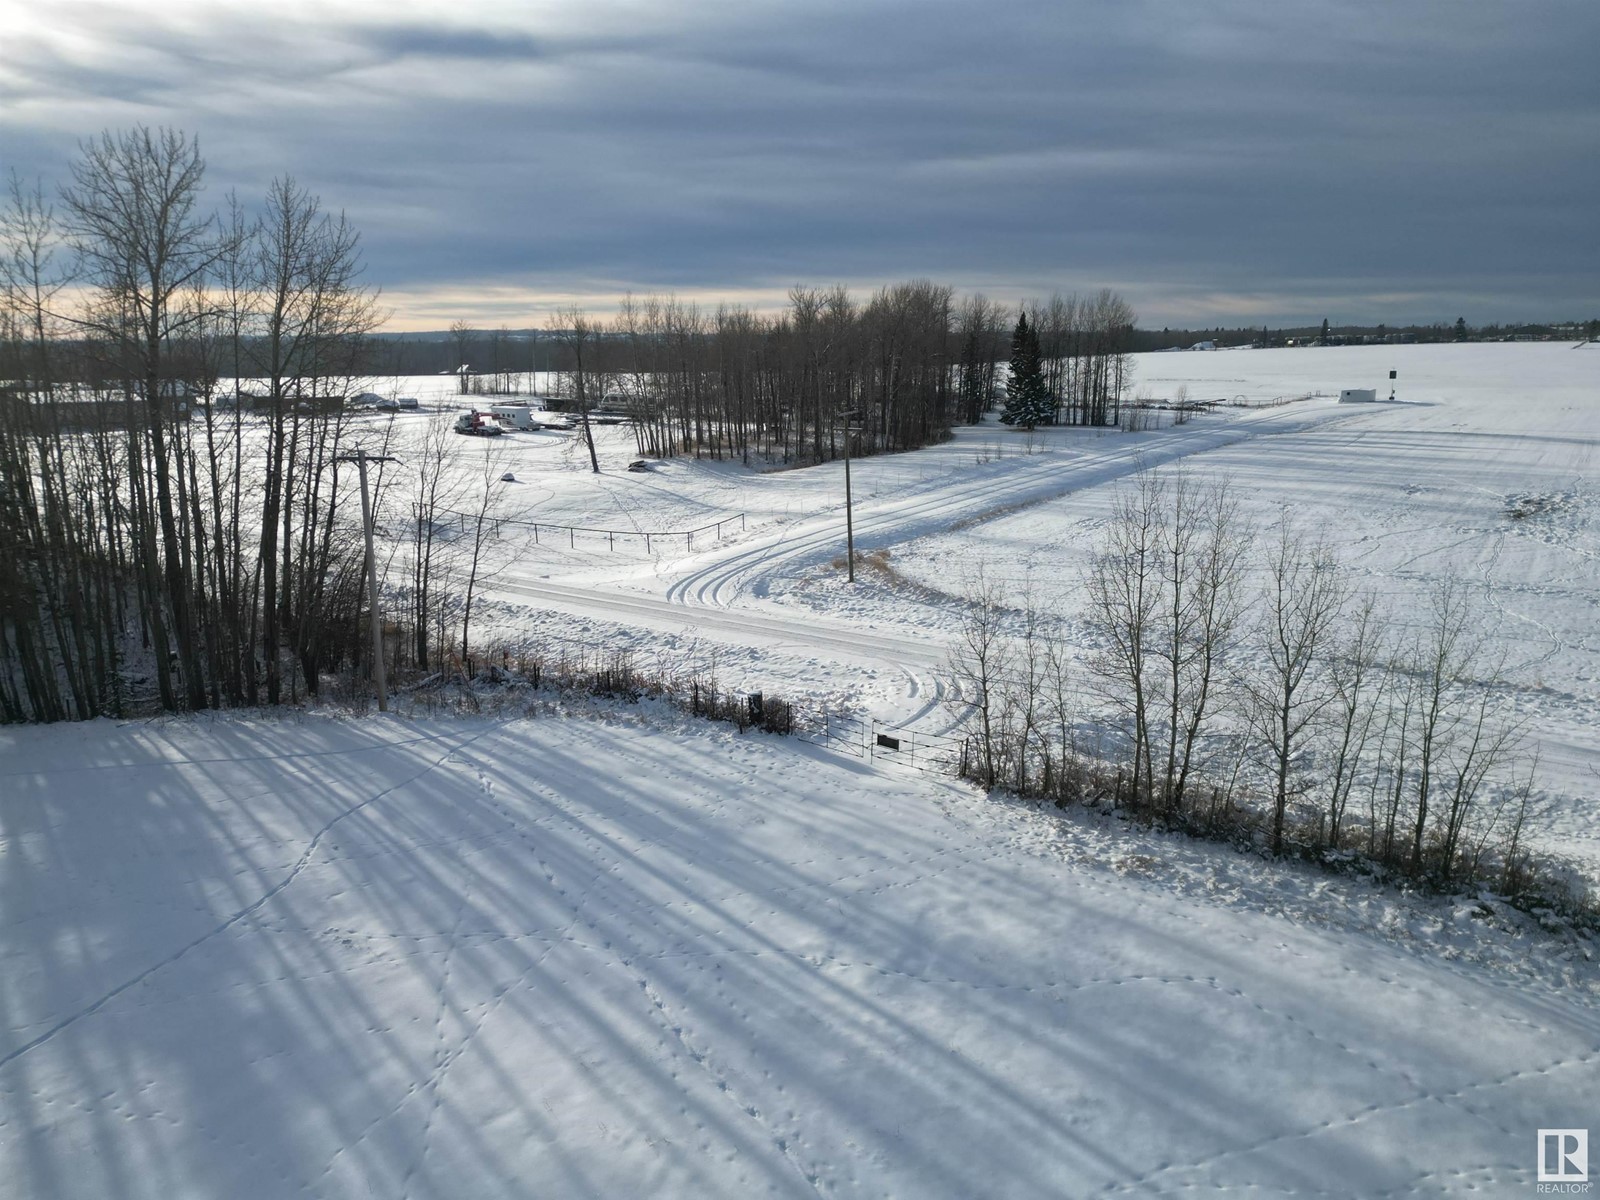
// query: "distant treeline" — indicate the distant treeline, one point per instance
point(1145, 340)
point(897, 369)
point(504, 351)
point(892, 373)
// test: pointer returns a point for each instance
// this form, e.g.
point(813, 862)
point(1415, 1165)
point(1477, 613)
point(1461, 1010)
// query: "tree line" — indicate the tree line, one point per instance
point(158, 546)
point(898, 369)
point(1237, 685)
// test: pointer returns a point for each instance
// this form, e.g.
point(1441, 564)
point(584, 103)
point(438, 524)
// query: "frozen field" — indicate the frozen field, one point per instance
point(600, 958)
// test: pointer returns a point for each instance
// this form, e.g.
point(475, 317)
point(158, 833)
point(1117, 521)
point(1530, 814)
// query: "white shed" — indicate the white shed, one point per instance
point(1358, 396)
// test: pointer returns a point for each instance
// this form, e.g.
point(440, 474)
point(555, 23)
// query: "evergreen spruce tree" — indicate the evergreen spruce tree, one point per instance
point(1028, 400)
point(974, 389)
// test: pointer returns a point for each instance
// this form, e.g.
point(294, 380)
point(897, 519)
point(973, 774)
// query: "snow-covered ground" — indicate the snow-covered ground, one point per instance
point(1484, 470)
point(621, 955)
point(615, 956)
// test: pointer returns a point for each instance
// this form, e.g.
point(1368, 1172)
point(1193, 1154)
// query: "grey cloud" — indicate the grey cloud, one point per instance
point(438, 41)
point(1440, 150)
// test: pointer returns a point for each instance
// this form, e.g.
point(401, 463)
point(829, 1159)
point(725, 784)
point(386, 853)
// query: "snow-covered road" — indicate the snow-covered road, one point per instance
point(721, 594)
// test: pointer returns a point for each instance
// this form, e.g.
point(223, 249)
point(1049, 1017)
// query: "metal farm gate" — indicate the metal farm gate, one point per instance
point(872, 740)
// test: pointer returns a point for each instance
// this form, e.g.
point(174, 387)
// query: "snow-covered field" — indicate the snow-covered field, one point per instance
point(620, 955)
point(623, 957)
point(1485, 470)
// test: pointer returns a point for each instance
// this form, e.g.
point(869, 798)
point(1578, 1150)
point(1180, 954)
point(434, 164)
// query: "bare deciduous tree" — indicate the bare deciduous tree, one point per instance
point(573, 330)
point(314, 313)
point(482, 529)
point(1287, 689)
point(1124, 587)
point(980, 663)
point(1354, 669)
point(437, 489)
point(132, 215)
point(1441, 658)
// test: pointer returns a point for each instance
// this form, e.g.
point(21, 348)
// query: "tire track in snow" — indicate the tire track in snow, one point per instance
point(703, 599)
point(889, 521)
point(775, 631)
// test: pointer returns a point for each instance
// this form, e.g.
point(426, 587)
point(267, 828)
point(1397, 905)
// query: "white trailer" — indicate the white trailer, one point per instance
point(1358, 396)
point(514, 416)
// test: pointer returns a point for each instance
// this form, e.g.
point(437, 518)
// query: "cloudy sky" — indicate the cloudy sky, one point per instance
point(1217, 161)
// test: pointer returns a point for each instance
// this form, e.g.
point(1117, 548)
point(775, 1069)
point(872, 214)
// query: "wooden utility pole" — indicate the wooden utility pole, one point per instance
point(849, 518)
point(361, 458)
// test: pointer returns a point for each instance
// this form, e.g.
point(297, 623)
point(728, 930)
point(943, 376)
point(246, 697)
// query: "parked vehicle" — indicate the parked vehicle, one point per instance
point(515, 416)
point(477, 424)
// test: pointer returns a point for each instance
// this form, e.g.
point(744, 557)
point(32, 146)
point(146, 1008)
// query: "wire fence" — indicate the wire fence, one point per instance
point(545, 531)
point(1274, 402)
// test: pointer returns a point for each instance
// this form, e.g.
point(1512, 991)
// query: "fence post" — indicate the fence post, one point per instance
point(647, 543)
point(572, 537)
point(612, 538)
point(688, 540)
